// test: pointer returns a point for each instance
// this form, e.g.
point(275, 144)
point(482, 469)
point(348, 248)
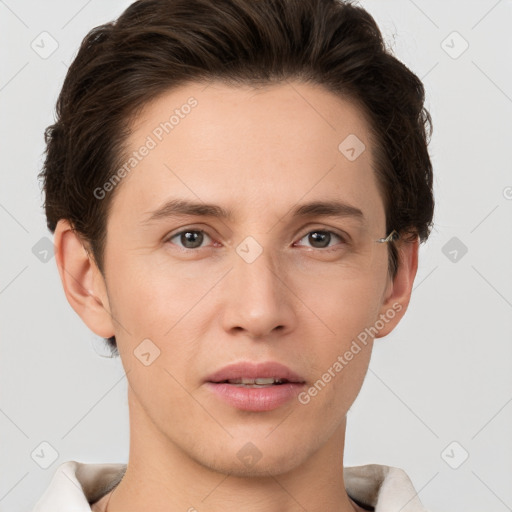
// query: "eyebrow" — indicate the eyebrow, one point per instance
point(183, 207)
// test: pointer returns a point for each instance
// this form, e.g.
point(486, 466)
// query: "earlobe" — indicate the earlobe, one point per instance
point(82, 281)
point(398, 292)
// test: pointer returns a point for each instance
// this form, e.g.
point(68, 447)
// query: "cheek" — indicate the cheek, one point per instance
point(169, 307)
point(343, 308)
point(160, 331)
point(343, 314)
point(153, 297)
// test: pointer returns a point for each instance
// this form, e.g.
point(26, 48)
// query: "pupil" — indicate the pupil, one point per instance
point(191, 236)
point(315, 236)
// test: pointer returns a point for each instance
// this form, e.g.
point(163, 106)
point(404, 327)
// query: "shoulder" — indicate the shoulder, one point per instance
point(382, 487)
point(76, 484)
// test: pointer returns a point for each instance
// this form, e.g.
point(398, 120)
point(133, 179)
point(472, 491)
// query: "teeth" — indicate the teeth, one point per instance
point(259, 381)
point(253, 386)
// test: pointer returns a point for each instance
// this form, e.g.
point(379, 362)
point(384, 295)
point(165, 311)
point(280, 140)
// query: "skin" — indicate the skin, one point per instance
point(259, 152)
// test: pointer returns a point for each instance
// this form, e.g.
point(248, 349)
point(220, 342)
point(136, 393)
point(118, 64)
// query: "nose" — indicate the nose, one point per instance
point(258, 299)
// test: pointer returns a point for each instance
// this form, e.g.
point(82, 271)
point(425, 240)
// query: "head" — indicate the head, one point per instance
point(250, 106)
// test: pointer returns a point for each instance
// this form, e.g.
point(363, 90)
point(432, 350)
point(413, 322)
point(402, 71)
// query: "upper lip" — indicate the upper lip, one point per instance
point(251, 370)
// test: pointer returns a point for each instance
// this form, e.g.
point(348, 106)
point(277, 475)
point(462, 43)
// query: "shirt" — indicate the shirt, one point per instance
point(80, 487)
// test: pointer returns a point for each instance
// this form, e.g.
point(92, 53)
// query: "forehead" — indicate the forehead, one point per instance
point(248, 149)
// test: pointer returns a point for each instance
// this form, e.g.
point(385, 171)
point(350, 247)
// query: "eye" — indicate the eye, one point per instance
point(190, 238)
point(321, 238)
point(193, 238)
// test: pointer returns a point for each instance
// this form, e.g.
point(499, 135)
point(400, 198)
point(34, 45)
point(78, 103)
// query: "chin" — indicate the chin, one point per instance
point(264, 468)
point(257, 458)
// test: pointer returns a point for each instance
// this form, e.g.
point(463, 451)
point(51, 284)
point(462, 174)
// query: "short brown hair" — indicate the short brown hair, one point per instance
point(158, 45)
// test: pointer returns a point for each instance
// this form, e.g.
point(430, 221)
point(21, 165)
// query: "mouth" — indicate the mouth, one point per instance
point(255, 387)
point(255, 383)
point(248, 373)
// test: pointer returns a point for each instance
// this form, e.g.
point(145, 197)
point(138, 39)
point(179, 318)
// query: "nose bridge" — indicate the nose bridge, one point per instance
point(257, 299)
point(256, 269)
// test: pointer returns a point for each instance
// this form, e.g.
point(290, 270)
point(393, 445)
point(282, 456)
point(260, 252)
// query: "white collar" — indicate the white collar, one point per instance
point(74, 485)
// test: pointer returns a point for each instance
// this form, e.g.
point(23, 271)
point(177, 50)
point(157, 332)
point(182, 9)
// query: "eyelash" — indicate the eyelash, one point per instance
point(344, 239)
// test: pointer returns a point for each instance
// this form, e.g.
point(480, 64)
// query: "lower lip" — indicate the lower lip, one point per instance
point(256, 399)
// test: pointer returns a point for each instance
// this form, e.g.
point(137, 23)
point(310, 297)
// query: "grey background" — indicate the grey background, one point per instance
point(442, 377)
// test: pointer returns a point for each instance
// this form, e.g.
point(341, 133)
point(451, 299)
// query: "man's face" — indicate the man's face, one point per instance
point(261, 286)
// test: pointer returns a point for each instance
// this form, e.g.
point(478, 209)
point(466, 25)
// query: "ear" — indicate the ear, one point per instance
point(83, 283)
point(398, 291)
